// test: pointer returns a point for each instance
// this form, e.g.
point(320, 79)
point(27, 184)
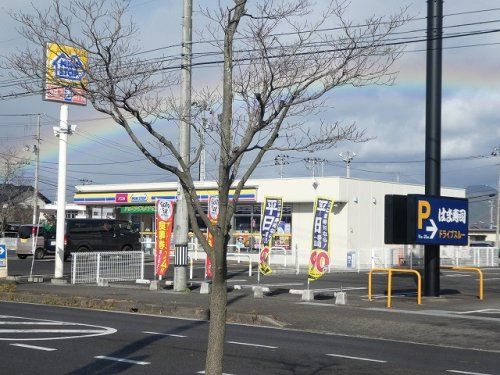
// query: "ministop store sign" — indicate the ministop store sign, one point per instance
point(437, 220)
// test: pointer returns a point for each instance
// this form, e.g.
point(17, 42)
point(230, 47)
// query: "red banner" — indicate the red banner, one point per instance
point(213, 216)
point(164, 222)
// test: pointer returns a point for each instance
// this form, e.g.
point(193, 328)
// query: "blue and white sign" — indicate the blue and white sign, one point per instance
point(3, 256)
point(440, 220)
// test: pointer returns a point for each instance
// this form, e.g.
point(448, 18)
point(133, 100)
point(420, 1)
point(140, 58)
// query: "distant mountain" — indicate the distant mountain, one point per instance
point(480, 197)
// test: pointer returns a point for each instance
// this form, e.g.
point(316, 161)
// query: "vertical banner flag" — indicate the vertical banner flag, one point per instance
point(271, 216)
point(320, 253)
point(164, 222)
point(65, 73)
point(213, 216)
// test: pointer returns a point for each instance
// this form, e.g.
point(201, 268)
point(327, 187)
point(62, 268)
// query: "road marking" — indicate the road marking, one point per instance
point(163, 334)
point(38, 323)
point(249, 344)
point(467, 372)
point(123, 360)
point(441, 313)
point(50, 330)
point(299, 291)
point(458, 275)
point(79, 330)
point(316, 304)
point(202, 372)
point(357, 358)
point(484, 311)
point(34, 347)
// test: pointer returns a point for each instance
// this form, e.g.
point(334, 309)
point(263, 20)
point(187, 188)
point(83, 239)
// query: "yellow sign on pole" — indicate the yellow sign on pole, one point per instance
point(65, 74)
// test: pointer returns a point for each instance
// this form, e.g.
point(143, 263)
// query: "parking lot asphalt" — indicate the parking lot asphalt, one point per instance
point(457, 318)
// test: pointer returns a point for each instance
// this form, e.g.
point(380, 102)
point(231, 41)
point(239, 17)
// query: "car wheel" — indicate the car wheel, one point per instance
point(39, 253)
point(21, 256)
point(127, 248)
point(82, 249)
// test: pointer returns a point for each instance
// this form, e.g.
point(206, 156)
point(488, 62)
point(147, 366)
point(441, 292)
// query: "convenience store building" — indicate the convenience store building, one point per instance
point(356, 223)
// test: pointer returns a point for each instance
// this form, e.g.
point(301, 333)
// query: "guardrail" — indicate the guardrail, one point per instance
point(390, 271)
point(248, 256)
point(91, 267)
point(473, 269)
point(278, 249)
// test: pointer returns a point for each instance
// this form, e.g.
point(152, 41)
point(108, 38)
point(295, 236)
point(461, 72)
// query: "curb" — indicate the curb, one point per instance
point(111, 304)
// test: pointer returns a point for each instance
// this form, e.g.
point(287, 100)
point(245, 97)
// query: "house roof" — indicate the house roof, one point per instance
point(18, 193)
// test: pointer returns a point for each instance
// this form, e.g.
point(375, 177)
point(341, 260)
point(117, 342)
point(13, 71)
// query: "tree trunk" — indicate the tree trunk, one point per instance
point(218, 303)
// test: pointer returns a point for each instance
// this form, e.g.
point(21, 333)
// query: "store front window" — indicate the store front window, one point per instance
point(246, 228)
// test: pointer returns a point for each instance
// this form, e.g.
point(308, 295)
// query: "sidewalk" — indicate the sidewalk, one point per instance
point(457, 318)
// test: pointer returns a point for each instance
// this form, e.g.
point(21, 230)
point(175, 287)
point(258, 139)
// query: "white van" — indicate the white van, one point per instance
point(25, 238)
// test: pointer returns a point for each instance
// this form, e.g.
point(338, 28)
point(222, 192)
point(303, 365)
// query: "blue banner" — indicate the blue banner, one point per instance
point(320, 253)
point(271, 217)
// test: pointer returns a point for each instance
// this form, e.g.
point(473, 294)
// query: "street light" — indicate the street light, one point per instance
point(347, 157)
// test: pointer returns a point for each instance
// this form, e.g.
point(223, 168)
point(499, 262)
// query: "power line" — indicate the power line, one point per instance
point(395, 43)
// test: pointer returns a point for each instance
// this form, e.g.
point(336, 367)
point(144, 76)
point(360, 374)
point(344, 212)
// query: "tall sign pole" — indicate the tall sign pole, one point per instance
point(433, 134)
point(181, 220)
point(61, 191)
point(65, 72)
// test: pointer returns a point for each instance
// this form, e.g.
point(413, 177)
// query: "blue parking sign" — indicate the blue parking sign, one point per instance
point(437, 220)
point(3, 256)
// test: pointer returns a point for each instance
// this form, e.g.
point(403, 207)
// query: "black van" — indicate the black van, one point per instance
point(84, 235)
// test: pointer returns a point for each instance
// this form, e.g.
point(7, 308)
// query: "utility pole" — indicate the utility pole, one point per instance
point(347, 157)
point(495, 152)
point(433, 134)
point(281, 160)
point(36, 150)
point(202, 161)
point(182, 219)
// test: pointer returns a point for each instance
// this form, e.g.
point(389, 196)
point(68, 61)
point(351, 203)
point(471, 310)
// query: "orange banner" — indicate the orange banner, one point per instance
point(164, 222)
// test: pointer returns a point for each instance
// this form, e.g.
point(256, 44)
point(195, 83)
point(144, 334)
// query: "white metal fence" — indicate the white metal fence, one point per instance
point(88, 268)
point(413, 256)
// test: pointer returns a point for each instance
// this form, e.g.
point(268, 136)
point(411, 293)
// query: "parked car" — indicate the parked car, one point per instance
point(29, 235)
point(83, 235)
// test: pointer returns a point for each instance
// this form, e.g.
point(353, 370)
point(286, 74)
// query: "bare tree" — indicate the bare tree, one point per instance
point(13, 195)
point(280, 59)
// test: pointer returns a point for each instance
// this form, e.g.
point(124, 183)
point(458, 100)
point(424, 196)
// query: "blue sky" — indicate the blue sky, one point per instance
point(394, 116)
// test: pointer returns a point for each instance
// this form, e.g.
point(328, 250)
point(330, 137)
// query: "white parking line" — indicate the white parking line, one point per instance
point(484, 311)
point(202, 372)
point(123, 360)
point(457, 275)
point(163, 334)
point(37, 323)
point(357, 358)
point(34, 347)
point(249, 344)
point(51, 330)
point(467, 372)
